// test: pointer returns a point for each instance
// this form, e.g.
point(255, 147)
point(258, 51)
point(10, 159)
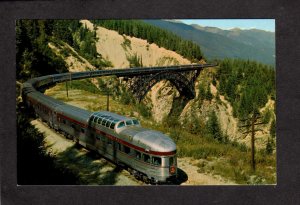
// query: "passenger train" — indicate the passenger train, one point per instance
point(147, 154)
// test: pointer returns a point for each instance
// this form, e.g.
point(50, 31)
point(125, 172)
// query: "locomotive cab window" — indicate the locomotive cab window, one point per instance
point(156, 161)
point(82, 130)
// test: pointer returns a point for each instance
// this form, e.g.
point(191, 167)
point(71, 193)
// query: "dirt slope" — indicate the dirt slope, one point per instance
point(110, 47)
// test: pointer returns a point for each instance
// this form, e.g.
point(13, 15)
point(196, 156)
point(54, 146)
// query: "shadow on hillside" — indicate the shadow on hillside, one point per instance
point(178, 105)
point(89, 167)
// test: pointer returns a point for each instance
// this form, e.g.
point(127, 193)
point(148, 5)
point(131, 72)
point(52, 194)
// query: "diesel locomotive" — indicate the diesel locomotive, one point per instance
point(147, 154)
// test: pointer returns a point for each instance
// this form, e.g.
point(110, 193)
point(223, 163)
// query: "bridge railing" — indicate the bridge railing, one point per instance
point(55, 78)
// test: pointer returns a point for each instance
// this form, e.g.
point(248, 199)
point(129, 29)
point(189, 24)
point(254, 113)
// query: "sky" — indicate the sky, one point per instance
point(225, 24)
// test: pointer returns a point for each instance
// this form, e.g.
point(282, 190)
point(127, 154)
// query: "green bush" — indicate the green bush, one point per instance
point(273, 128)
point(144, 110)
point(84, 84)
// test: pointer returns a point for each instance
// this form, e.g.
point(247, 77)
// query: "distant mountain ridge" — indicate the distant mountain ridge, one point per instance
point(216, 43)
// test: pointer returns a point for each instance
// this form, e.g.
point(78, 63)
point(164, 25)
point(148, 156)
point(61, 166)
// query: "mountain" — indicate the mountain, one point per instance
point(216, 43)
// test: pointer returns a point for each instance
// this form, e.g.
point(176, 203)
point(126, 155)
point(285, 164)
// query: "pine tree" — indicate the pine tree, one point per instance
point(213, 127)
point(208, 93)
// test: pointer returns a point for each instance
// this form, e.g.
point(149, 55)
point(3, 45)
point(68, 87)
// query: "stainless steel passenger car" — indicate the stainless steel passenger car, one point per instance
point(147, 154)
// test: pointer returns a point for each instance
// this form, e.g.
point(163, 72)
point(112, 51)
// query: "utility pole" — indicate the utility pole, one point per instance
point(107, 102)
point(67, 89)
point(255, 116)
point(70, 81)
point(253, 120)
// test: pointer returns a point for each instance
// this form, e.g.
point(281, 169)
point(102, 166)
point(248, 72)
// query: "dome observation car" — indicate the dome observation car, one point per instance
point(112, 120)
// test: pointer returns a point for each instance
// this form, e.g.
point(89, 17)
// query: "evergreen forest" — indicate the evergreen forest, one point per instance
point(153, 34)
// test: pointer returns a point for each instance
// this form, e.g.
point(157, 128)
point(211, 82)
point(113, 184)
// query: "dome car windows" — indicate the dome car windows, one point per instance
point(135, 122)
point(112, 125)
point(129, 122)
point(121, 124)
point(103, 122)
point(92, 118)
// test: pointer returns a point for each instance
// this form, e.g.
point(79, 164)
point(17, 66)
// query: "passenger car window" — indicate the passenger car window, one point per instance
point(156, 161)
point(146, 158)
point(126, 150)
point(137, 155)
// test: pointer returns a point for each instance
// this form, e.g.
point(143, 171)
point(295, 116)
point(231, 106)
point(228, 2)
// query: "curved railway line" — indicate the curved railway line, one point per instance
point(147, 154)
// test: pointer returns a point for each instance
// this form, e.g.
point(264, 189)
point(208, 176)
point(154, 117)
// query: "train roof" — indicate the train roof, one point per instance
point(75, 113)
point(46, 100)
point(113, 116)
point(149, 139)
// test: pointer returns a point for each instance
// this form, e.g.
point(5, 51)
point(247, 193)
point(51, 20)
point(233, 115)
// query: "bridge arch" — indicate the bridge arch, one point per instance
point(144, 84)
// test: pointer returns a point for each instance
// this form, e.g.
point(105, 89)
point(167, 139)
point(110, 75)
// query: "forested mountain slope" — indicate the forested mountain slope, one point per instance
point(219, 44)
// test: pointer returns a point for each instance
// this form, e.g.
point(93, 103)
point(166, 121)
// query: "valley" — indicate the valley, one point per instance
point(212, 148)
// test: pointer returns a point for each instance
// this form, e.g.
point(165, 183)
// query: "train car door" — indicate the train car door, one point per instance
point(54, 120)
point(90, 139)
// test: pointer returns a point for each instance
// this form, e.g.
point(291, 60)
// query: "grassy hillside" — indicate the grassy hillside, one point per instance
point(225, 158)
